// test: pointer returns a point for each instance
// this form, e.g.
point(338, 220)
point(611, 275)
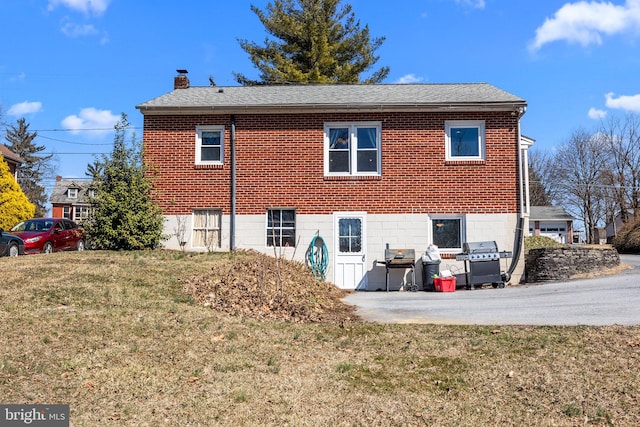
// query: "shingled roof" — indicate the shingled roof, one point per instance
point(59, 194)
point(398, 97)
point(549, 213)
point(9, 155)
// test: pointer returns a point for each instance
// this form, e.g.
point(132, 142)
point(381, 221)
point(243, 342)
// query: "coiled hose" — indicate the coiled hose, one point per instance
point(317, 257)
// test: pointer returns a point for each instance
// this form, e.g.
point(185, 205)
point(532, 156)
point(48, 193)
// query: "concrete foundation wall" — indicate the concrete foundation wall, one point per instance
point(408, 231)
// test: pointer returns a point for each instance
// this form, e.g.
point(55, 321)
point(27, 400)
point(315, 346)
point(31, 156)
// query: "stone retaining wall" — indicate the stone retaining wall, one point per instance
point(560, 263)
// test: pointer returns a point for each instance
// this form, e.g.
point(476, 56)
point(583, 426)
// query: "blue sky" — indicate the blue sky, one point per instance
point(70, 67)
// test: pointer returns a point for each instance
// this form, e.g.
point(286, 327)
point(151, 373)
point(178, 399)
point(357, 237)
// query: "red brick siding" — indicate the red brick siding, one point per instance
point(280, 163)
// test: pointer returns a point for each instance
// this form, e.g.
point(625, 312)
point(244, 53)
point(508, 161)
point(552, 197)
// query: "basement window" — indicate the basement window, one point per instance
point(206, 228)
point(281, 227)
point(447, 232)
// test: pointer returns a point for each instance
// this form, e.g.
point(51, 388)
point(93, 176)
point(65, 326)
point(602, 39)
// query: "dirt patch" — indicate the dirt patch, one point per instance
point(259, 286)
point(603, 272)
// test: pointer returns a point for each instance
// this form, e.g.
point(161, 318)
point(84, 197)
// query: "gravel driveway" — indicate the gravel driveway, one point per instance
point(610, 300)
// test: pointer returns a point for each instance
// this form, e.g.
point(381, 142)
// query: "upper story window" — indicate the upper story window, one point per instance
point(209, 145)
point(465, 140)
point(352, 148)
point(72, 193)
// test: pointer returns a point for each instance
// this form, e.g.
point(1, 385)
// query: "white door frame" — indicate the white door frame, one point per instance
point(350, 269)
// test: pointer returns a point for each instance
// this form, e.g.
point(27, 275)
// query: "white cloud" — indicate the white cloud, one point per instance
point(71, 29)
point(477, 4)
point(95, 7)
point(623, 102)
point(408, 79)
point(18, 78)
point(104, 39)
point(90, 118)
point(596, 114)
point(586, 22)
point(25, 108)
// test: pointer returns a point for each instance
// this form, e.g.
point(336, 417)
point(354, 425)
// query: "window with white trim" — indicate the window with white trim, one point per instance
point(281, 227)
point(448, 232)
point(81, 212)
point(465, 139)
point(66, 212)
point(209, 145)
point(352, 148)
point(206, 228)
point(72, 193)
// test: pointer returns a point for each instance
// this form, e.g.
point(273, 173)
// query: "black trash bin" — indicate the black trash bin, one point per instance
point(430, 268)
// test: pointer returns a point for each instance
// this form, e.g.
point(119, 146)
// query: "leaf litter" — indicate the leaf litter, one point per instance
point(260, 286)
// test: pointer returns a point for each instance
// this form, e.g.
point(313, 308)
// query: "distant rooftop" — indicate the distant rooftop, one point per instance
point(10, 155)
point(546, 213)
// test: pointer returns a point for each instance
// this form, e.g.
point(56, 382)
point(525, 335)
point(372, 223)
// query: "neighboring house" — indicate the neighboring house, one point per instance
point(614, 226)
point(70, 198)
point(12, 159)
point(261, 167)
point(551, 221)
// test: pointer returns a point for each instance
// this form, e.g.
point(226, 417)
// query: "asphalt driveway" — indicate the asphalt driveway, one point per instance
point(610, 300)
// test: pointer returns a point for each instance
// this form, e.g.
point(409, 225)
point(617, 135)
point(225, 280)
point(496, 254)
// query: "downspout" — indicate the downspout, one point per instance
point(522, 178)
point(232, 219)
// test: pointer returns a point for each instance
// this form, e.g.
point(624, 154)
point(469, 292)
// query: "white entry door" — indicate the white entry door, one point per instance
point(350, 250)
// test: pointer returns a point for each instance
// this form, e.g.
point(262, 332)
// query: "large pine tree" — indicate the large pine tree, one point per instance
point(314, 41)
point(35, 167)
point(123, 216)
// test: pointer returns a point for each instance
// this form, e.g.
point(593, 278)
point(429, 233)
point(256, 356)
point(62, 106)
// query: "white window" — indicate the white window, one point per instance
point(281, 227)
point(465, 140)
point(448, 232)
point(352, 148)
point(206, 228)
point(72, 193)
point(209, 145)
point(66, 212)
point(80, 213)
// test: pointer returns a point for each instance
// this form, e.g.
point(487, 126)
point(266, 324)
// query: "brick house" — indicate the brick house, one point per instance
point(69, 198)
point(363, 166)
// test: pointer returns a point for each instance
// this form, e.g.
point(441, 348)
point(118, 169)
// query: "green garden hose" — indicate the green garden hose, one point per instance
point(317, 257)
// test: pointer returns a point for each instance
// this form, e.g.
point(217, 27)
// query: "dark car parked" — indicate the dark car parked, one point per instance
point(10, 244)
point(46, 235)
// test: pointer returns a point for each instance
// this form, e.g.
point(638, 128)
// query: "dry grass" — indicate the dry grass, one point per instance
point(114, 336)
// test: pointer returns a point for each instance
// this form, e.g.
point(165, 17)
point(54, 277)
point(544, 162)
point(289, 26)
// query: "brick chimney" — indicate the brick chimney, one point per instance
point(181, 81)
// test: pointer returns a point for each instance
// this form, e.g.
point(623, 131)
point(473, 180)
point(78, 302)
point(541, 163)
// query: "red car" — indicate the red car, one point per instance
point(46, 235)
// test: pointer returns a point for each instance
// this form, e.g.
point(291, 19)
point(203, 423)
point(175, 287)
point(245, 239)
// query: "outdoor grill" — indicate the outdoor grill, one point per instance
point(400, 258)
point(482, 263)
